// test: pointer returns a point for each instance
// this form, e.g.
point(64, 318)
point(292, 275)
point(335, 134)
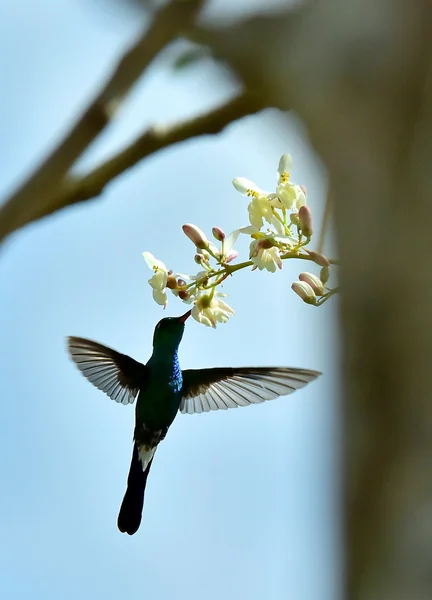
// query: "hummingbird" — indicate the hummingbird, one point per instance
point(161, 389)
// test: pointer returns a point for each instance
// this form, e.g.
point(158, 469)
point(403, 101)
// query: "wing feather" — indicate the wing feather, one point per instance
point(116, 374)
point(223, 388)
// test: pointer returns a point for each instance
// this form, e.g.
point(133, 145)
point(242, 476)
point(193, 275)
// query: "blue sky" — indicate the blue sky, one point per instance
point(239, 503)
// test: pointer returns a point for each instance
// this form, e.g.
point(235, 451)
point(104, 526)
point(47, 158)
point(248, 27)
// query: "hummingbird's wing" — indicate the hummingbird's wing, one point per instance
point(229, 387)
point(116, 374)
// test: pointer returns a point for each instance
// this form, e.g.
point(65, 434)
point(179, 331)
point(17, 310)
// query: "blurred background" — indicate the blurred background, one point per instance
point(239, 503)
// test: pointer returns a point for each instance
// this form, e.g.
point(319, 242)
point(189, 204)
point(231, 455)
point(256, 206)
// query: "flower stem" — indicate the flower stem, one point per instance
point(327, 296)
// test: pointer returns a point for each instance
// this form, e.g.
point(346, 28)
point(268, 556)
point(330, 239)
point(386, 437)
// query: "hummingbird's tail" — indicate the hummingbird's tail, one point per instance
point(129, 518)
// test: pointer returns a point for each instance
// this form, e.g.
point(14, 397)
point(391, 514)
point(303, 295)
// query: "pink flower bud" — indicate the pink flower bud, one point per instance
point(318, 259)
point(324, 275)
point(231, 256)
point(195, 234)
point(304, 290)
point(314, 282)
point(305, 220)
point(198, 258)
point(218, 234)
point(181, 282)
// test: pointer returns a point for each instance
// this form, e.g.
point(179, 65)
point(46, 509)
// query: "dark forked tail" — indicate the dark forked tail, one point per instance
point(129, 518)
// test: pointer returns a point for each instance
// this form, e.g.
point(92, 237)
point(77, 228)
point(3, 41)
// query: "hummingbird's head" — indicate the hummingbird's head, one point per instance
point(169, 332)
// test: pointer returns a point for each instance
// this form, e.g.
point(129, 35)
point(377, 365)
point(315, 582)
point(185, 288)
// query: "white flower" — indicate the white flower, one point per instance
point(159, 280)
point(289, 194)
point(259, 207)
point(265, 255)
point(210, 310)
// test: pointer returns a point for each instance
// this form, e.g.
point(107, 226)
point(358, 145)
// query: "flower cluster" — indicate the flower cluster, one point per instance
point(280, 228)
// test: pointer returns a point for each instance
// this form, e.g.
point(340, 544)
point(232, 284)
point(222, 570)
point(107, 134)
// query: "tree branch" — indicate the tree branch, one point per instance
point(151, 141)
point(37, 192)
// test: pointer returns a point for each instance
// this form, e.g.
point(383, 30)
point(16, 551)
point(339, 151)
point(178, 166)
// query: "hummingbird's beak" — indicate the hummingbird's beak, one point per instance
point(183, 318)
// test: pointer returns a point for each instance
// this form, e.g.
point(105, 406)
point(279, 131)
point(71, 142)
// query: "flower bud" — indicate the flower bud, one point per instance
point(304, 290)
point(324, 275)
point(218, 234)
point(318, 259)
point(171, 282)
point(199, 258)
point(195, 234)
point(315, 283)
point(305, 220)
point(181, 283)
point(183, 295)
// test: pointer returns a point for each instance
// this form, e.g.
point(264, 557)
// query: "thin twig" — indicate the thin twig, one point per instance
point(36, 193)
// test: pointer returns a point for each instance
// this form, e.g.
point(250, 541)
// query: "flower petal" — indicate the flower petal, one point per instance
point(285, 166)
point(287, 194)
point(249, 230)
point(301, 197)
point(231, 240)
point(266, 258)
point(160, 297)
point(159, 280)
point(277, 225)
point(246, 186)
point(153, 262)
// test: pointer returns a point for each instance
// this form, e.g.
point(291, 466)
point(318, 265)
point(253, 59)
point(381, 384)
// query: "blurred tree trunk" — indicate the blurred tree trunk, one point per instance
point(360, 76)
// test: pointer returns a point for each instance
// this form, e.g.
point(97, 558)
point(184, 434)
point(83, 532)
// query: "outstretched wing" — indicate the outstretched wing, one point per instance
point(118, 375)
point(222, 388)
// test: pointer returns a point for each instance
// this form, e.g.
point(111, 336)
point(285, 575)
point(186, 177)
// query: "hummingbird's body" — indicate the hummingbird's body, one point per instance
point(164, 382)
point(156, 408)
point(161, 388)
